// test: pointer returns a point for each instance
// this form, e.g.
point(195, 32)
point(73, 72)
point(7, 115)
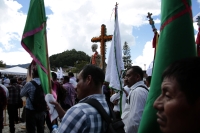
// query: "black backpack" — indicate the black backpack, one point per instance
point(128, 99)
point(39, 103)
point(114, 125)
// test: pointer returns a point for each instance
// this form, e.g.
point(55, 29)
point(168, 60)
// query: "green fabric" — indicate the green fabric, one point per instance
point(35, 44)
point(176, 41)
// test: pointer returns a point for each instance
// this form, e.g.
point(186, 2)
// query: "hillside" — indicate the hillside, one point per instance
point(20, 65)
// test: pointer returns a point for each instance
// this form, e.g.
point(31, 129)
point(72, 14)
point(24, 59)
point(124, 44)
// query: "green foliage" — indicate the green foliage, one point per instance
point(127, 56)
point(79, 66)
point(2, 64)
point(68, 58)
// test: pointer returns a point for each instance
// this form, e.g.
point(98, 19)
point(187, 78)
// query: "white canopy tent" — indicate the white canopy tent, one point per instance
point(15, 71)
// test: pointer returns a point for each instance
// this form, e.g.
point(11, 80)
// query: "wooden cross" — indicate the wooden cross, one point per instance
point(103, 38)
point(116, 4)
point(149, 15)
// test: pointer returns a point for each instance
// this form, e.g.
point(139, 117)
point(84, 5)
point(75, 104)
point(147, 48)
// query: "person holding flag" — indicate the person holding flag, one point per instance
point(34, 41)
point(33, 118)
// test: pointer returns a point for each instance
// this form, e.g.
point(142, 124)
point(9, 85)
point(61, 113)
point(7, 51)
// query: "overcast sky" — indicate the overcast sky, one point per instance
point(72, 23)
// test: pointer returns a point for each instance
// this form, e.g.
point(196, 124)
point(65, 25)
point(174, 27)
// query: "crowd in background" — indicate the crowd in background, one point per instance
point(178, 104)
point(64, 91)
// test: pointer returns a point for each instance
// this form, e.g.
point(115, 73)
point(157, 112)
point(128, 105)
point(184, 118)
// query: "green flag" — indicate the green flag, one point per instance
point(34, 40)
point(176, 41)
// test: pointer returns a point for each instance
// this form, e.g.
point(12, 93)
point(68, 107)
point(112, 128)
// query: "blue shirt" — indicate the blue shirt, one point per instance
point(83, 118)
point(28, 91)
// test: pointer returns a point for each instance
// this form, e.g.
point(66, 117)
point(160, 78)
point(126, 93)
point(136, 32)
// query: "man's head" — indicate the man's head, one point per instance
point(90, 81)
point(94, 47)
point(148, 81)
point(66, 79)
point(54, 76)
point(187, 73)
point(35, 73)
point(19, 80)
point(70, 74)
point(13, 80)
point(106, 83)
point(179, 102)
point(133, 75)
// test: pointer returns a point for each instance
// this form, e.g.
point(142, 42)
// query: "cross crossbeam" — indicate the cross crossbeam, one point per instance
point(103, 38)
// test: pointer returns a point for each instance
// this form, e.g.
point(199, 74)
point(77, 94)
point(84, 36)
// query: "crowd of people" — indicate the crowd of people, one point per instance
point(13, 88)
point(178, 105)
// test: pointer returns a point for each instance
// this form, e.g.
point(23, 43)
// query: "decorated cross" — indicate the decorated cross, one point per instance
point(103, 38)
point(156, 35)
point(151, 22)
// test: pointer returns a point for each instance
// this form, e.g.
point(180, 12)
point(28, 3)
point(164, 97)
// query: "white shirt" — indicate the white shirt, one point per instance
point(127, 89)
point(114, 97)
point(132, 113)
point(73, 82)
point(6, 82)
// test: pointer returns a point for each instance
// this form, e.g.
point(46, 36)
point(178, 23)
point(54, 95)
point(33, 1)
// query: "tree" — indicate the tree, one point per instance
point(126, 57)
point(79, 66)
point(2, 64)
point(67, 58)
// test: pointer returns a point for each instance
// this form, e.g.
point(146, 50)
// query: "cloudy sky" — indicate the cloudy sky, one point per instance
point(72, 23)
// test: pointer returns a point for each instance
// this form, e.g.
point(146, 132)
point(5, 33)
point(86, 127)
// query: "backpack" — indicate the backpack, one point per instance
point(114, 125)
point(39, 103)
point(128, 99)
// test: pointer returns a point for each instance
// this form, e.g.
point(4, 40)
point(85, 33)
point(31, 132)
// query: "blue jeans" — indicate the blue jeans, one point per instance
point(33, 120)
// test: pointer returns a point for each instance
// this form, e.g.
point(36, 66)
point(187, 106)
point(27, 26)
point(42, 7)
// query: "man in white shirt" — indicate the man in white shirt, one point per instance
point(72, 79)
point(136, 100)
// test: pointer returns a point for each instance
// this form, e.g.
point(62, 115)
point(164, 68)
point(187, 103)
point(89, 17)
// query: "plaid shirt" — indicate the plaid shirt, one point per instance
point(83, 118)
point(71, 94)
point(14, 93)
point(29, 90)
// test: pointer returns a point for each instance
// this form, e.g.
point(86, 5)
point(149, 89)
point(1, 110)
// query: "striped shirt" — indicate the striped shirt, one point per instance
point(28, 91)
point(83, 118)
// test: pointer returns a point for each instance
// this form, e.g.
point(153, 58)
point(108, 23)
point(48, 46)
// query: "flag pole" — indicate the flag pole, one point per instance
point(119, 72)
point(47, 57)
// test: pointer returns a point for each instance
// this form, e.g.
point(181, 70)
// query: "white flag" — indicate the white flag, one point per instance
point(61, 73)
point(150, 69)
point(115, 64)
point(58, 73)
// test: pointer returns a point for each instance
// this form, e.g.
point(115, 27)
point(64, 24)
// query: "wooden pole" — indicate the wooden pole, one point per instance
point(48, 65)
